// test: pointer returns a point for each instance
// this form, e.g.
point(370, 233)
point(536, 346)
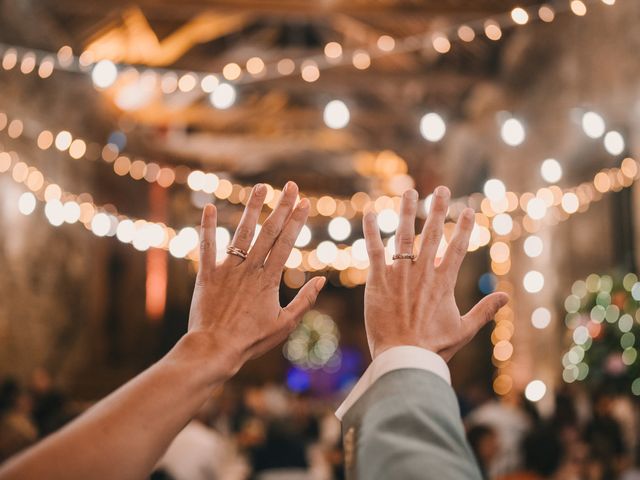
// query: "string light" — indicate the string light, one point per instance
point(432, 127)
point(512, 132)
point(336, 114)
point(593, 124)
point(551, 170)
point(105, 75)
point(614, 142)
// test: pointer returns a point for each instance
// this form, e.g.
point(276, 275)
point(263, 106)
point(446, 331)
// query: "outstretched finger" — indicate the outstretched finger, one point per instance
point(433, 227)
point(207, 241)
point(375, 247)
point(282, 248)
point(457, 248)
point(405, 234)
point(273, 225)
point(246, 228)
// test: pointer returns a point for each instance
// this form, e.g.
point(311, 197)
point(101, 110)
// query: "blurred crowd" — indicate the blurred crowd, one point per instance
point(269, 433)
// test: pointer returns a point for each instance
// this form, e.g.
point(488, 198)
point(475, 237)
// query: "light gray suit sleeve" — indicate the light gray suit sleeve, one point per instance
point(407, 426)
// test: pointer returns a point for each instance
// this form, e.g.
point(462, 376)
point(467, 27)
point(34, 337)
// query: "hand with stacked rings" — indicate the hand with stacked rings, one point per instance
point(237, 303)
point(411, 301)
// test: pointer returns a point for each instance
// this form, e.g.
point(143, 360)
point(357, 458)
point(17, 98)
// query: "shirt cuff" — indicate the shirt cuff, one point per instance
point(395, 358)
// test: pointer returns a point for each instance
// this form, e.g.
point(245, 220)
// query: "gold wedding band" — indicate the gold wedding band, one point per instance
point(238, 252)
point(403, 256)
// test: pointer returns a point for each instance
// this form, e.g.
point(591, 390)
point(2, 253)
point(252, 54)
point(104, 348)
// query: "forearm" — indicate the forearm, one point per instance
point(124, 435)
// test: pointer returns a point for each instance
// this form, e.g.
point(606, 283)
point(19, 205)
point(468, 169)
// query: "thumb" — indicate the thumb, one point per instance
point(304, 300)
point(484, 311)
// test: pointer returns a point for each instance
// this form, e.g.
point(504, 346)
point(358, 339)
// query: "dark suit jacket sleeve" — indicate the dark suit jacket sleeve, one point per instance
point(407, 426)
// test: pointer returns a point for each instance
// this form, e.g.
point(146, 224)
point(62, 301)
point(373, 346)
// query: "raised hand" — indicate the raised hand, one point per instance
point(236, 304)
point(411, 302)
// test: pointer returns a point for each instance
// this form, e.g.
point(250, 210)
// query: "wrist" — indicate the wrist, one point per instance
point(204, 356)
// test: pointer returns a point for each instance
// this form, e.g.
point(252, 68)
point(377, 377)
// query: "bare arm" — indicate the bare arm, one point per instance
point(235, 315)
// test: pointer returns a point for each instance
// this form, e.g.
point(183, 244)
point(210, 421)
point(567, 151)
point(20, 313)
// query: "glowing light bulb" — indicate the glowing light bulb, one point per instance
point(104, 74)
point(533, 246)
point(100, 224)
point(27, 203)
point(432, 127)
point(339, 228)
point(551, 170)
point(614, 143)
point(535, 390)
point(336, 114)
point(327, 252)
point(533, 281)
point(359, 250)
point(223, 97)
point(512, 132)
point(536, 208)
point(494, 189)
point(593, 125)
point(541, 318)
point(304, 237)
point(388, 220)
point(502, 224)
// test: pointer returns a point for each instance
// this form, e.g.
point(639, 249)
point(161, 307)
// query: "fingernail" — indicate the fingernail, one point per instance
point(442, 192)
point(412, 195)
point(468, 213)
point(320, 283)
point(260, 188)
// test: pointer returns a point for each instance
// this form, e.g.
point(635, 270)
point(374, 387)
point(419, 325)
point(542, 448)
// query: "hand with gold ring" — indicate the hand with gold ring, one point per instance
point(236, 304)
point(411, 301)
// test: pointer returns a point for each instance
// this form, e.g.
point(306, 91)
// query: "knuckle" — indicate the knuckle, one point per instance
point(270, 229)
point(458, 248)
point(244, 233)
point(405, 241)
point(432, 235)
point(376, 252)
point(288, 241)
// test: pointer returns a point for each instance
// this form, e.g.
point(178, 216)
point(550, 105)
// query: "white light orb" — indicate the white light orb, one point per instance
point(533, 246)
point(27, 203)
point(104, 74)
point(570, 202)
point(614, 143)
point(388, 220)
point(494, 189)
point(339, 228)
point(432, 127)
point(502, 224)
point(126, 231)
point(295, 259)
point(551, 170)
point(54, 212)
point(359, 250)
point(196, 180)
point(154, 234)
point(63, 140)
point(223, 97)
point(533, 281)
point(536, 208)
point(593, 125)
point(336, 114)
point(327, 252)
point(581, 335)
point(71, 212)
point(304, 237)
point(223, 238)
point(100, 224)
point(535, 390)
point(512, 132)
point(426, 204)
point(190, 238)
point(541, 318)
